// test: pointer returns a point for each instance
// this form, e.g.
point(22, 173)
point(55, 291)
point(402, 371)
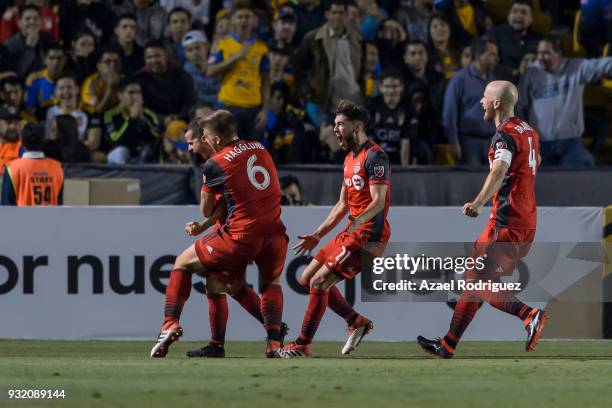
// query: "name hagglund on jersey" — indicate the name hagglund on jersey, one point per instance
point(242, 147)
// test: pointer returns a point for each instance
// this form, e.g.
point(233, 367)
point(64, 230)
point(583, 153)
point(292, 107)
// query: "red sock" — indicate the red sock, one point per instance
point(507, 302)
point(317, 303)
point(465, 310)
point(217, 315)
point(272, 310)
point(177, 293)
point(250, 301)
point(340, 306)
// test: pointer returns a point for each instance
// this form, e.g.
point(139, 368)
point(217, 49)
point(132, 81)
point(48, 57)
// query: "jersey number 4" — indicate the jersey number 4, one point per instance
point(253, 170)
point(533, 162)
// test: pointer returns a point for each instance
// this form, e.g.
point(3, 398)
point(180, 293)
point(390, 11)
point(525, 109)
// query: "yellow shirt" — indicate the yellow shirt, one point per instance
point(92, 93)
point(241, 84)
point(468, 20)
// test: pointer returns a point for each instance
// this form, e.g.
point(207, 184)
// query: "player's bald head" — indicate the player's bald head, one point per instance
point(504, 91)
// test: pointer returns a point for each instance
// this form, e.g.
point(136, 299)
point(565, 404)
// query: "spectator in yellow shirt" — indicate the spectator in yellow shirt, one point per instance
point(99, 90)
point(241, 62)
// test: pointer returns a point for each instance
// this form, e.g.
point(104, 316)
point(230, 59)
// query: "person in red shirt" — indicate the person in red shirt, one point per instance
point(365, 197)
point(514, 157)
point(244, 175)
point(49, 20)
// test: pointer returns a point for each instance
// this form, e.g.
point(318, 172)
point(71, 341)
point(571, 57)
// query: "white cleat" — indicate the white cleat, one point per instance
point(357, 332)
point(164, 340)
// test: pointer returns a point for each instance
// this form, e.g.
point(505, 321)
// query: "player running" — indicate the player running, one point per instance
point(244, 174)
point(514, 156)
point(365, 196)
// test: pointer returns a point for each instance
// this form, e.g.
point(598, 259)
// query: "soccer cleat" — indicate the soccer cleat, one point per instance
point(357, 331)
point(536, 320)
point(435, 347)
point(272, 348)
point(293, 350)
point(209, 351)
point(165, 338)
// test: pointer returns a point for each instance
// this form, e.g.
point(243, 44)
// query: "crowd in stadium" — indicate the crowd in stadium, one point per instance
point(118, 81)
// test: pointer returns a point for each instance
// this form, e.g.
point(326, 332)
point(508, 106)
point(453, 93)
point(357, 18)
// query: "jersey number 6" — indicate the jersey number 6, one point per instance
point(252, 171)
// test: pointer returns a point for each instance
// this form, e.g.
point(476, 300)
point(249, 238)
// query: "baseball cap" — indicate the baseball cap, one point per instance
point(285, 13)
point(194, 36)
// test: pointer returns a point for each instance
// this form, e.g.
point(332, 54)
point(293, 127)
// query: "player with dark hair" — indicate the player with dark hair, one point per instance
point(244, 174)
point(365, 197)
point(514, 155)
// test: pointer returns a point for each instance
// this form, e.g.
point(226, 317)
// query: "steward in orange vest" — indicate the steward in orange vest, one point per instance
point(33, 179)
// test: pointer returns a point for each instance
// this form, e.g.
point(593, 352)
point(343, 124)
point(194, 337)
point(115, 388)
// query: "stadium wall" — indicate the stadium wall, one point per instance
point(100, 272)
point(418, 186)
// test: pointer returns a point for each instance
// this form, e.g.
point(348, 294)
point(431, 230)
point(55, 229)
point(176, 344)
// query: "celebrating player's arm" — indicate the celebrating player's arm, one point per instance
point(379, 194)
point(212, 205)
point(337, 213)
point(212, 208)
point(491, 186)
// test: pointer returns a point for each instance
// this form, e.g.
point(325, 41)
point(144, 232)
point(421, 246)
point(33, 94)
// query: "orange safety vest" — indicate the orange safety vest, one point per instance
point(8, 151)
point(36, 181)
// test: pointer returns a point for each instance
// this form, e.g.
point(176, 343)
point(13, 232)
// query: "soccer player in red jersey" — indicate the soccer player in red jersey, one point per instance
point(244, 174)
point(365, 196)
point(514, 156)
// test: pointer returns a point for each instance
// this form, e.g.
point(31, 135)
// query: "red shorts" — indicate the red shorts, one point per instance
point(504, 247)
point(344, 254)
point(225, 257)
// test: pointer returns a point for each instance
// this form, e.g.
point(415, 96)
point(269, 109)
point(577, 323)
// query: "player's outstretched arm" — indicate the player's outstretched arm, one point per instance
point(491, 186)
point(337, 213)
point(379, 194)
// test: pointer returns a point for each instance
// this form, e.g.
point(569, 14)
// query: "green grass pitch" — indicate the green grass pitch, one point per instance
point(483, 374)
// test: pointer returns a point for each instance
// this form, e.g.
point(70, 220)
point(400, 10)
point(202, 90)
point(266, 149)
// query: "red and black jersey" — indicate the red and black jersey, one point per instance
point(518, 144)
point(369, 166)
point(246, 176)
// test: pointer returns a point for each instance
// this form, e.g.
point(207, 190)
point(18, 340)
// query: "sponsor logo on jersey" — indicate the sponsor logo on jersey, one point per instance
point(357, 168)
point(358, 182)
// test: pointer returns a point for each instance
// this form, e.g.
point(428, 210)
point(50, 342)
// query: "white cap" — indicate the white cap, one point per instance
point(194, 36)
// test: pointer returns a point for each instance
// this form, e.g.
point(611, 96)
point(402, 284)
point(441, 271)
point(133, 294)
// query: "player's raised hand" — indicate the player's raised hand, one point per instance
point(307, 244)
point(472, 209)
point(194, 228)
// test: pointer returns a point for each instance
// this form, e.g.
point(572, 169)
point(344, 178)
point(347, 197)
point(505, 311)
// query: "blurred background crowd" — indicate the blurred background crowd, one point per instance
point(118, 81)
